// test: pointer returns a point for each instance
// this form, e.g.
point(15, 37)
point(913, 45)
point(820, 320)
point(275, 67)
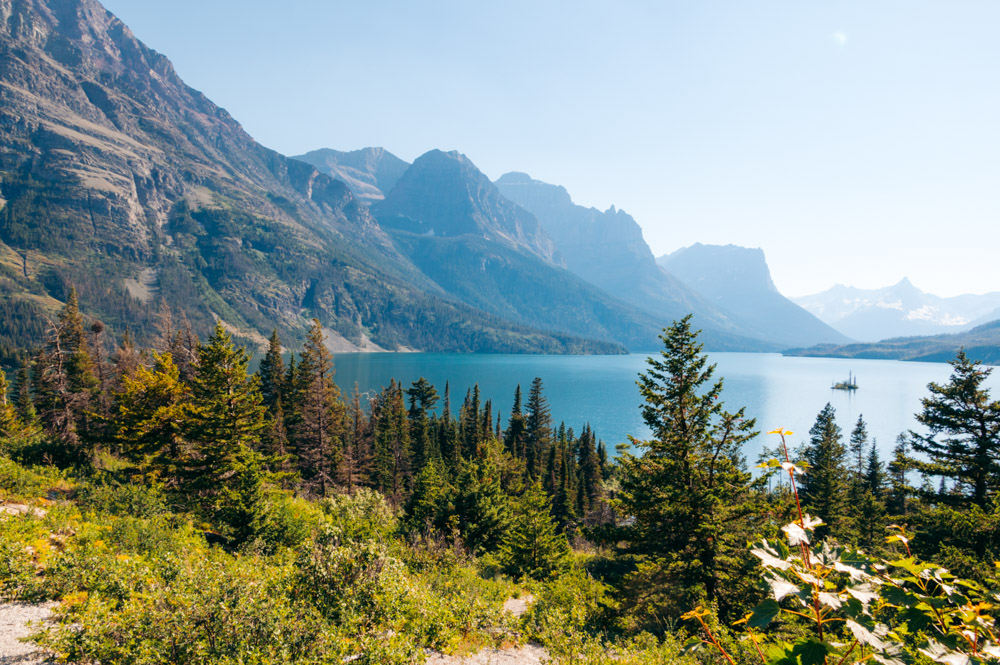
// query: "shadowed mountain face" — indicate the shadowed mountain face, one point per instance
point(607, 249)
point(369, 172)
point(738, 281)
point(899, 310)
point(118, 178)
point(452, 222)
point(444, 194)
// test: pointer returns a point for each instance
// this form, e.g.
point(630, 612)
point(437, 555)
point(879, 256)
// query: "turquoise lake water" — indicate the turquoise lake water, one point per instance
point(778, 391)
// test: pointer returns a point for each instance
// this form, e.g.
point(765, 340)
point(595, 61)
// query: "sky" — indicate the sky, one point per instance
point(856, 142)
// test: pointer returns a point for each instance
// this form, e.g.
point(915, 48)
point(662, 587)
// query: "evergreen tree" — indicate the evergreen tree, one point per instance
point(226, 415)
point(857, 448)
point(152, 418)
point(482, 508)
point(824, 487)
point(538, 430)
point(533, 547)
point(357, 458)
point(963, 444)
point(900, 489)
point(24, 401)
point(515, 436)
point(272, 373)
point(428, 506)
point(318, 413)
point(10, 424)
point(243, 506)
point(392, 468)
point(874, 471)
point(688, 496)
point(423, 397)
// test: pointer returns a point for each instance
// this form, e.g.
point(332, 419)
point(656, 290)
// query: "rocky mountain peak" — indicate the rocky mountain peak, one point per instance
point(444, 194)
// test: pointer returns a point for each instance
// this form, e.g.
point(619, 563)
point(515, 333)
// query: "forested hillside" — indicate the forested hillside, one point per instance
point(166, 492)
point(119, 179)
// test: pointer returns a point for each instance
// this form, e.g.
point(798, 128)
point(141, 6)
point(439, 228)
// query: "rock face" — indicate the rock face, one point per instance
point(899, 310)
point(114, 173)
point(490, 253)
point(737, 280)
point(444, 194)
point(608, 250)
point(369, 172)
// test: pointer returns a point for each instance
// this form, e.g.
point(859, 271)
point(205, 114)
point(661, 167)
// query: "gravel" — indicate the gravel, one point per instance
point(14, 618)
point(531, 654)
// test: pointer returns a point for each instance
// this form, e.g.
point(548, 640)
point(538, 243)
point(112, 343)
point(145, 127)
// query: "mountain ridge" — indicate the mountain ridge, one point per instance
point(899, 310)
point(119, 179)
point(738, 281)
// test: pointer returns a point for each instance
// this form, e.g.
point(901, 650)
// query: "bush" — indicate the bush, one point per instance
point(363, 516)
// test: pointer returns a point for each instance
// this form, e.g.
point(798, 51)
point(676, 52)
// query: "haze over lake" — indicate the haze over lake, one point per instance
point(779, 391)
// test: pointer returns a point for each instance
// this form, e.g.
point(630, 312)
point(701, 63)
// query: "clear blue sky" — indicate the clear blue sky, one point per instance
point(854, 141)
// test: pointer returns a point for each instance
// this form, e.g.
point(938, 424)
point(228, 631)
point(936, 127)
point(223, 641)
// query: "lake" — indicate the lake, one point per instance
point(778, 391)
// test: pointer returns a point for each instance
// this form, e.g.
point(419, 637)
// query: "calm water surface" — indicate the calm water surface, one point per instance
point(778, 391)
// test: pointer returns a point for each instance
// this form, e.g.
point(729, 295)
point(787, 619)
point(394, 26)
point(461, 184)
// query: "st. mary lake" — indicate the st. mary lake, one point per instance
point(778, 391)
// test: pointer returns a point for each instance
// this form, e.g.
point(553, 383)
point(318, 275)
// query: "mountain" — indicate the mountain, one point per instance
point(369, 172)
point(607, 249)
point(490, 253)
point(443, 194)
point(119, 179)
point(738, 281)
point(980, 343)
point(900, 310)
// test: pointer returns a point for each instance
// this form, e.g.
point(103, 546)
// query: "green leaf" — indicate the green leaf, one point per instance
point(865, 636)
point(764, 614)
point(811, 651)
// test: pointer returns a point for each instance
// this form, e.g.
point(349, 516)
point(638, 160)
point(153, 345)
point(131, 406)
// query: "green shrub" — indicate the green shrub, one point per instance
point(365, 515)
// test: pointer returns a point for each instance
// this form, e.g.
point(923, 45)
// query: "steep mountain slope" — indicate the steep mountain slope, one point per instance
point(980, 343)
point(607, 249)
point(898, 310)
point(444, 194)
point(452, 222)
point(369, 172)
point(738, 281)
point(118, 178)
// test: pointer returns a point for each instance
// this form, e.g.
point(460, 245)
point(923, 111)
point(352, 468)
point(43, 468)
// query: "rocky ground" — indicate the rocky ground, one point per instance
point(14, 625)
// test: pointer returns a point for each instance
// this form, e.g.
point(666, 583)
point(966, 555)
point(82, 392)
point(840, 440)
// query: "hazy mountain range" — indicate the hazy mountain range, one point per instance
point(120, 180)
point(737, 280)
point(900, 310)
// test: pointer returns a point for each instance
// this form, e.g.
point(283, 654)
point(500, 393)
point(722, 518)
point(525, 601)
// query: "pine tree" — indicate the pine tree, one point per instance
point(152, 418)
point(318, 413)
point(427, 507)
point(688, 495)
point(10, 424)
point(824, 487)
point(481, 506)
point(514, 437)
point(226, 414)
point(533, 547)
point(24, 401)
point(900, 489)
point(243, 506)
point(355, 469)
point(963, 444)
point(538, 430)
point(392, 470)
point(857, 447)
point(272, 373)
point(874, 471)
point(423, 397)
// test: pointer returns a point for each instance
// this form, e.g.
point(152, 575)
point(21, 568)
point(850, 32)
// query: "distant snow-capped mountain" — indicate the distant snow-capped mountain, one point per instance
point(898, 311)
